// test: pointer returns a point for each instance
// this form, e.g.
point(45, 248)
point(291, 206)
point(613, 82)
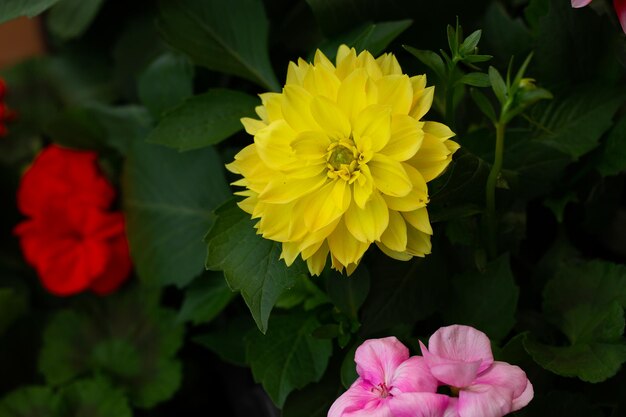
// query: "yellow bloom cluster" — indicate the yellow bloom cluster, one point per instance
point(340, 160)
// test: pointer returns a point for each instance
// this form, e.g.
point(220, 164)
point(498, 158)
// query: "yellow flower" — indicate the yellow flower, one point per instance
point(340, 160)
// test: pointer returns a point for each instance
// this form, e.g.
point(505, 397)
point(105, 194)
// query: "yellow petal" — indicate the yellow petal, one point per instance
point(346, 61)
point(436, 151)
point(297, 72)
point(326, 205)
point(296, 104)
point(356, 93)
point(422, 102)
point(390, 176)
point(418, 243)
point(418, 82)
point(248, 204)
point(272, 104)
point(406, 138)
point(274, 220)
point(395, 236)
point(289, 253)
point(317, 262)
point(396, 91)
point(419, 220)
point(311, 145)
point(362, 188)
point(367, 61)
point(321, 61)
point(439, 130)
point(417, 198)
point(401, 256)
point(273, 144)
point(373, 124)
point(344, 247)
point(323, 82)
point(330, 118)
point(368, 224)
point(311, 241)
point(252, 125)
point(389, 64)
point(285, 190)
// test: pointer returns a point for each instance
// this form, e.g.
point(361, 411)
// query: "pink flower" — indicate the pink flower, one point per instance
point(460, 356)
point(619, 5)
point(390, 384)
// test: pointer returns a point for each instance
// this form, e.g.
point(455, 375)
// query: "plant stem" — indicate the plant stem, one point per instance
point(450, 119)
point(490, 192)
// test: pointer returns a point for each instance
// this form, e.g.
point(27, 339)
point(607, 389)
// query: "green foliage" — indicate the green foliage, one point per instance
point(93, 398)
point(227, 340)
point(204, 31)
point(10, 9)
point(287, 357)
point(485, 300)
point(168, 198)
point(612, 159)
point(203, 120)
point(70, 18)
point(137, 355)
point(29, 402)
point(250, 263)
point(205, 298)
point(166, 82)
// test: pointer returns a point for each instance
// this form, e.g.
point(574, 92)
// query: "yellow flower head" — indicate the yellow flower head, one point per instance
point(340, 160)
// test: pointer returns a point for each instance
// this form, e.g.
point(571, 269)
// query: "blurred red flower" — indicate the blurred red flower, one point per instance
point(71, 238)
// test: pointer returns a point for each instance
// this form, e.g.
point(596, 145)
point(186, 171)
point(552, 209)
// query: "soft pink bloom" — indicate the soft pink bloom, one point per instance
point(390, 384)
point(460, 356)
point(619, 5)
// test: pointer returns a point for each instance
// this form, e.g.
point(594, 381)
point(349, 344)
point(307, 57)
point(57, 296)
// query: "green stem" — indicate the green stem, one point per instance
point(450, 119)
point(492, 181)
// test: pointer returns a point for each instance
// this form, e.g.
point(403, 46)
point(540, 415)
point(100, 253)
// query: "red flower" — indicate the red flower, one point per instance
point(71, 238)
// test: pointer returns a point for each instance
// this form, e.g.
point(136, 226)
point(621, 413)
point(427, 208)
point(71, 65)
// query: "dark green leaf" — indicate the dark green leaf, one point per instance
point(498, 85)
point(304, 292)
point(204, 120)
point(612, 159)
point(483, 104)
point(29, 402)
point(70, 18)
point(315, 399)
point(487, 300)
point(348, 369)
point(332, 15)
point(288, 357)
point(476, 79)
point(168, 198)
point(166, 83)
point(379, 35)
point(93, 398)
point(590, 362)
point(430, 59)
point(205, 298)
point(228, 341)
point(205, 30)
point(13, 304)
point(470, 43)
point(10, 9)
point(250, 263)
point(348, 293)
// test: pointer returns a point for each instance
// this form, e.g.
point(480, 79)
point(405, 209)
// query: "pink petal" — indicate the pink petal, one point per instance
point(377, 359)
point(484, 401)
point(620, 9)
point(452, 410)
point(449, 371)
point(381, 410)
point(507, 376)
point(462, 343)
point(524, 398)
point(419, 404)
point(358, 397)
point(580, 3)
point(413, 375)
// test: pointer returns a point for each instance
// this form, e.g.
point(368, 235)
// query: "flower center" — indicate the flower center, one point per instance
point(382, 390)
point(343, 159)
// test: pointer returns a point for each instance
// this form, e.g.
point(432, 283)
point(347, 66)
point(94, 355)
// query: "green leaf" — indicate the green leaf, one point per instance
point(304, 292)
point(612, 158)
point(70, 18)
point(430, 59)
point(483, 104)
point(348, 293)
point(348, 368)
point(476, 79)
point(99, 339)
point(594, 362)
point(377, 36)
point(250, 263)
point(204, 30)
point(470, 43)
point(315, 399)
point(287, 357)
point(168, 198)
point(205, 298)
point(496, 284)
point(226, 341)
point(498, 85)
point(10, 9)
point(29, 402)
point(166, 83)
point(204, 120)
point(13, 304)
point(93, 398)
